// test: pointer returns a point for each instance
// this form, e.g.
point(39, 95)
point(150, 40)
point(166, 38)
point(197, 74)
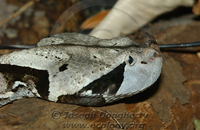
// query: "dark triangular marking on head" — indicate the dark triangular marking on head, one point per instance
point(111, 81)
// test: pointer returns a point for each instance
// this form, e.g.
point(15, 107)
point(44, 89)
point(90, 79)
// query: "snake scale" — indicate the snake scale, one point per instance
point(80, 69)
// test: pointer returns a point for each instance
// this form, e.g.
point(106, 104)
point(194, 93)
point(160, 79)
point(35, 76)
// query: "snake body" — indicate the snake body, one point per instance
point(80, 69)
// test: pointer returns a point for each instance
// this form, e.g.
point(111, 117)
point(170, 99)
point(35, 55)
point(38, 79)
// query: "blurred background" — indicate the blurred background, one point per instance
point(26, 22)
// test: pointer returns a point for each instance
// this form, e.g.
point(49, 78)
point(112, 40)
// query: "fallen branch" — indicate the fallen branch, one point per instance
point(21, 10)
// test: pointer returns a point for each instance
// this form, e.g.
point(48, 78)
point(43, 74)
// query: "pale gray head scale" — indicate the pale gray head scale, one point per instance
point(142, 69)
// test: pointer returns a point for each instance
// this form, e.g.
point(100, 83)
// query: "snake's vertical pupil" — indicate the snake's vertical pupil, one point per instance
point(130, 60)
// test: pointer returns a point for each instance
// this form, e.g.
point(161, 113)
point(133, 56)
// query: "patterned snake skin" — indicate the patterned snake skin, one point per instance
point(80, 69)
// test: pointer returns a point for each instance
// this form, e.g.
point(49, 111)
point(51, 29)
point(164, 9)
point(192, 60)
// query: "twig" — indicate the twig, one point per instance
point(115, 119)
point(22, 9)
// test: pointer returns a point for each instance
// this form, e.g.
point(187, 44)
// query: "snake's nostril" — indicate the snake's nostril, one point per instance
point(156, 54)
point(151, 53)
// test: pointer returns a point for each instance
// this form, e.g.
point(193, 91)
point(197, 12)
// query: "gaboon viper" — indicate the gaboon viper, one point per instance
point(80, 69)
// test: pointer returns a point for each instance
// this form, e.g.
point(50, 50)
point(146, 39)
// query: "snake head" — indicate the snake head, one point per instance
point(143, 67)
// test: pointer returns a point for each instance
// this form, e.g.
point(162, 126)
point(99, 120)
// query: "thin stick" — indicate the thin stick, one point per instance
point(115, 119)
point(22, 9)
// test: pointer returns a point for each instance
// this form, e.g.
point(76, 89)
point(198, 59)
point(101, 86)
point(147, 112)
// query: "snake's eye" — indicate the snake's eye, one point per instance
point(130, 60)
